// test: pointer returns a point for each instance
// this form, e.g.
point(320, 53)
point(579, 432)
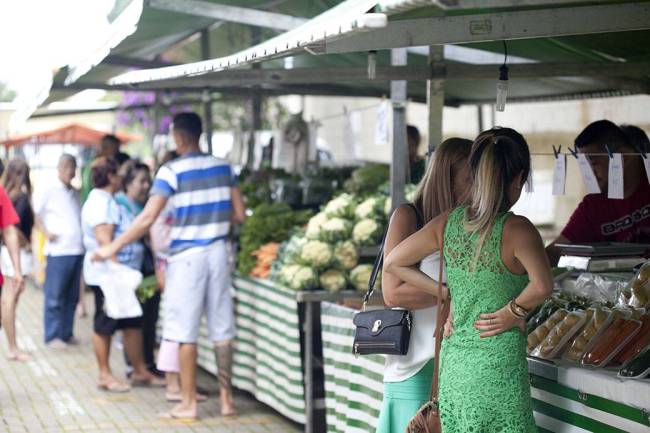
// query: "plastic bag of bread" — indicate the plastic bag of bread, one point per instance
point(637, 292)
point(540, 333)
point(597, 319)
point(611, 341)
point(560, 335)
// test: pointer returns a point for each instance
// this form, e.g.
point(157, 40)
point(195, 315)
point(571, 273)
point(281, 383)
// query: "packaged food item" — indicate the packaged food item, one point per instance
point(611, 341)
point(543, 313)
point(560, 335)
point(597, 319)
point(635, 346)
point(637, 292)
point(543, 330)
point(637, 368)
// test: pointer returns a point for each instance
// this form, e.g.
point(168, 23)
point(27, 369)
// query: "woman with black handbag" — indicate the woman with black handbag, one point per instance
point(407, 378)
point(497, 271)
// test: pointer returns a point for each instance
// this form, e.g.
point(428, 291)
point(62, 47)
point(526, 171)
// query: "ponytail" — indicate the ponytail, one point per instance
point(498, 156)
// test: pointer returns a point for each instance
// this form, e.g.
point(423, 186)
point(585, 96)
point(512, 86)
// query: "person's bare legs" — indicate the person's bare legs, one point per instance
point(187, 408)
point(223, 351)
point(133, 348)
point(102, 346)
point(10, 299)
point(81, 305)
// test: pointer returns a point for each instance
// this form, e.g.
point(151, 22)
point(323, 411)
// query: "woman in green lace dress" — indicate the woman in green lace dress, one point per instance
point(496, 270)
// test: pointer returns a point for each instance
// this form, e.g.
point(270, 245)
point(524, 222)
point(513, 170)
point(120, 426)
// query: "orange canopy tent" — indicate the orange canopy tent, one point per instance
point(71, 134)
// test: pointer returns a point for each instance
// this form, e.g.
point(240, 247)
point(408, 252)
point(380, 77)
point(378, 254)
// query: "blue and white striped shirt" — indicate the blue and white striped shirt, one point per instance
point(200, 185)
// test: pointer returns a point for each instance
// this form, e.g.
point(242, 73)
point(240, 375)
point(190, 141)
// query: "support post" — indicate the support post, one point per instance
point(435, 99)
point(399, 161)
point(255, 102)
point(207, 97)
point(479, 119)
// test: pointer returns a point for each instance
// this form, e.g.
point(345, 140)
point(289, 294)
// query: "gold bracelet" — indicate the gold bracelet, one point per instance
point(514, 311)
point(519, 308)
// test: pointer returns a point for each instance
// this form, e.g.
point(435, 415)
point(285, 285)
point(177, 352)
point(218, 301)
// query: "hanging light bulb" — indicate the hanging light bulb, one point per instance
point(372, 65)
point(502, 88)
point(502, 83)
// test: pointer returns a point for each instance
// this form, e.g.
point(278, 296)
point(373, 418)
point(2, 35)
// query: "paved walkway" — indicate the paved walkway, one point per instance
point(56, 392)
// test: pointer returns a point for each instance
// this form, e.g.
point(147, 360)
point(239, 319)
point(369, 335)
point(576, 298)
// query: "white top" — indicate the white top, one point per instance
point(422, 344)
point(59, 208)
point(100, 208)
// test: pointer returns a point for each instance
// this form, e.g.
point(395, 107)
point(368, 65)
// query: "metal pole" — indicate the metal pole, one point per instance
point(435, 99)
point(399, 160)
point(255, 102)
point(207, 98)
point(308, 328)
point(479, 120)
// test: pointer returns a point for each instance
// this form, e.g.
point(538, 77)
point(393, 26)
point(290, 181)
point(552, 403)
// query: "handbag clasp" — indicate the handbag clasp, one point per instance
point(376, 326)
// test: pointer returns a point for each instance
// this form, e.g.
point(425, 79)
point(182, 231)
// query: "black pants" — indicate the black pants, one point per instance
point(150, 311)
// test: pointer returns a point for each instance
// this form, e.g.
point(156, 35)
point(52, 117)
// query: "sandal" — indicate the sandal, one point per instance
point(19, 357)
point(173, 397)
point(171, 416)
point(152, 382)
point(114, 386)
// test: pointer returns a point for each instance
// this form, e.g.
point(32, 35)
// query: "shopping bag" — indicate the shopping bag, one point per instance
point(118, 284)
point(26, 262)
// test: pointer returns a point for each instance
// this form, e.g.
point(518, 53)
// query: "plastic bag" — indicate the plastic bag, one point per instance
point(598, 288)
point(637, 291)
point(118, 284)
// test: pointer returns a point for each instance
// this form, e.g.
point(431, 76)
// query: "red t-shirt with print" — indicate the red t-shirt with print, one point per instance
point(8, 216)
point(599, 219)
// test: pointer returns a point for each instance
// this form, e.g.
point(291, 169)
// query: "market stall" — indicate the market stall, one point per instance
point(565, 398)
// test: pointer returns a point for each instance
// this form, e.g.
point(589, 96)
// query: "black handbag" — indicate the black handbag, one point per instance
point(385, 331)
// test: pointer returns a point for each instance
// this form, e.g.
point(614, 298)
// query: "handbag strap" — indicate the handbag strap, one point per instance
point(379, 260)
point(443, 313)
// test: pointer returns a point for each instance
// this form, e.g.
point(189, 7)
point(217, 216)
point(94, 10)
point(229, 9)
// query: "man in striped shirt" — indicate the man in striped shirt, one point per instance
point(206, 201)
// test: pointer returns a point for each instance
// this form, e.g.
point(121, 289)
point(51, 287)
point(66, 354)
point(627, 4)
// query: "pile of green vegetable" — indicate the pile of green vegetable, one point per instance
point(268, 223)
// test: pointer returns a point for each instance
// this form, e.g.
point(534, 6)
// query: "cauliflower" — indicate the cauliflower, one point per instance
point(345, 255)
point(342, 207)
point(370, 208)
point(360, 276)
point(366, 232)
point(335, 230)
point(315, 225)
point(333, 280)
point(304, 278)
point(286, 273)
point(317, 254)
point(291, 250)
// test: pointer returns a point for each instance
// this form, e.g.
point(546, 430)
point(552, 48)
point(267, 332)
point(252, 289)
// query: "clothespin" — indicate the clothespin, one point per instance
point(574, 152)
point(557, 151)
point(609, 151)
point(639, 151)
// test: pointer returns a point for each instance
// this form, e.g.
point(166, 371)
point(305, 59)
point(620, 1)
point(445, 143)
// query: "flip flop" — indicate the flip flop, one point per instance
point(19, 357)
point(114, 387)
point(154, 382)
point(170, 416)
point(175, 398)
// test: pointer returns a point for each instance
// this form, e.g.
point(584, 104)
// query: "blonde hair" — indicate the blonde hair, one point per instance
point(434, 194)
point(498, 156)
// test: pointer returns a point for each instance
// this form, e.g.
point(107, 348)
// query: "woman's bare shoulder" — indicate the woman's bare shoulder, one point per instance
point(519, 228)
point(403, 216)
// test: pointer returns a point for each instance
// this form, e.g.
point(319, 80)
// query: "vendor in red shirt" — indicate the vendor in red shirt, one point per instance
point(11, 238)
point(598, 218)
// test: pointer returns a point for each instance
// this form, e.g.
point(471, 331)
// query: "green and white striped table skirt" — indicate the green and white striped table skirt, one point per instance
point(353, 388)
point(267, 359)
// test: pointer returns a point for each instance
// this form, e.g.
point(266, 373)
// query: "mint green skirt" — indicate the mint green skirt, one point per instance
point(403, 399)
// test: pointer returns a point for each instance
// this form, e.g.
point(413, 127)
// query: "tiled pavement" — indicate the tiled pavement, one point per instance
point(56, 392)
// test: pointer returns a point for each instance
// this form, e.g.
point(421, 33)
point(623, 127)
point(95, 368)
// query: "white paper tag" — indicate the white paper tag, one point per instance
point(646, 163)
point(588, 175)
point(559, 175)
point(529, 182)
point(615, 181)
point(382, 131)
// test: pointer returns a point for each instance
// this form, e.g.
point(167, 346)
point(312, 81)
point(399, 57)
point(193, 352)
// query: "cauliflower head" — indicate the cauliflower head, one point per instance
point(360, 275)
point(335, 230)
point(366, 232)
point(315, 225)
point(346, 255)
point(304, 278)
point(333, 280)
point(317, 254)
point(341, 206)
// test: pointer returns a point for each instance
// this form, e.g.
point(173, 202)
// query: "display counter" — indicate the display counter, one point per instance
point(566, 399)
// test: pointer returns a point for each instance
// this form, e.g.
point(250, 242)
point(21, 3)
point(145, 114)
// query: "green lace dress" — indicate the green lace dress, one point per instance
point(484, 384)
